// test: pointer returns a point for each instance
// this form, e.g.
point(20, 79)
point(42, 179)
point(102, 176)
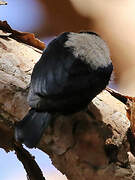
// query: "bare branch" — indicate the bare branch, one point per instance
point(29, 163)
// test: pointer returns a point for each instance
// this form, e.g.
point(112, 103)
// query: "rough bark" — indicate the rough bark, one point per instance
point(91, 144)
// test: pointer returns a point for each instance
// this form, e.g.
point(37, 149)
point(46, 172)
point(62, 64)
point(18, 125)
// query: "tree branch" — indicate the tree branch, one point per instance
point(29, 163)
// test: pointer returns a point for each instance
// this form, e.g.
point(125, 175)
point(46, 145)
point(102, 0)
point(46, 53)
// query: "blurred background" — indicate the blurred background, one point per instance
point(113, 20)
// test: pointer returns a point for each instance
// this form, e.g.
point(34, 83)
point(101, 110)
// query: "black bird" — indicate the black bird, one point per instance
point(72, 70)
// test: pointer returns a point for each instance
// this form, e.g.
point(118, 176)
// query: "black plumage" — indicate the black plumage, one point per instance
point(62, 82)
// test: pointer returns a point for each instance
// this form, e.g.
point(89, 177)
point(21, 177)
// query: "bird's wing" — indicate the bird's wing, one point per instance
point(49, 75)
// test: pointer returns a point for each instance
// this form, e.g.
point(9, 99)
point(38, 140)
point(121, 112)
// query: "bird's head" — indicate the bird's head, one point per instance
point(90, 48)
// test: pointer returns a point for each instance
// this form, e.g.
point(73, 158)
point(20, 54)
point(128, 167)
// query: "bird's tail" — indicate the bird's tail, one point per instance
point(30, 129)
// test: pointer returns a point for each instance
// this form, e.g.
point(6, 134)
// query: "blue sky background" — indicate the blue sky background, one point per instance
point(12, 169)
point(24, 15)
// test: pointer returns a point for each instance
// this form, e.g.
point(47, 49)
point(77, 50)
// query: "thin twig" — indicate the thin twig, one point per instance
point(33, 170)
point(118, 95)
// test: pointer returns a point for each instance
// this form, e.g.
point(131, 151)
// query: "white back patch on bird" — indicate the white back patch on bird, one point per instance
point(90, 48)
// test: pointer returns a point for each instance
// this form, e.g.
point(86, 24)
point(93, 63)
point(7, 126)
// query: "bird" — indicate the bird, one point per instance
point(73, 69)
